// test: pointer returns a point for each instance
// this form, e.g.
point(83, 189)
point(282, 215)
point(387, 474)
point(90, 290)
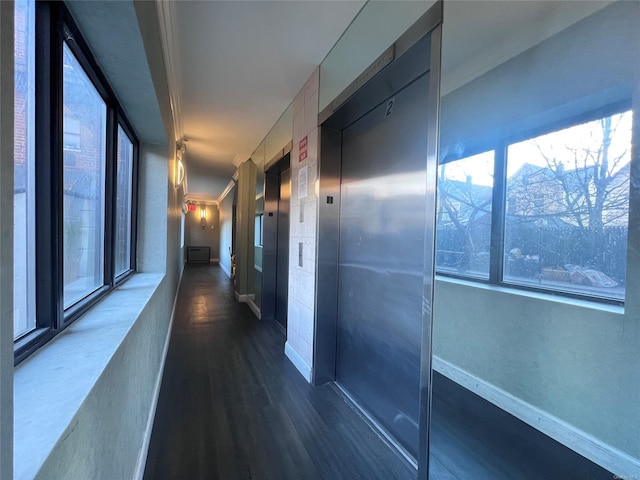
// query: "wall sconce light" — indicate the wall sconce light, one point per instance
point(180, 173)
point(203, 217)
point(181, 149)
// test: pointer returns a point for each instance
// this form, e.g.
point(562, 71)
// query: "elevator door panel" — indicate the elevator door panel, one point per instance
point(282, 259)
point(380, 290)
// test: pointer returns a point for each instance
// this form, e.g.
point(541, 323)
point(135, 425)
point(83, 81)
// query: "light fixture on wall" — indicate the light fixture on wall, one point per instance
point(203, 217)
point(181, 149)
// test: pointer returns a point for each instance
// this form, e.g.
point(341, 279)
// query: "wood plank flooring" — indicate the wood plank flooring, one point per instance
point(473, 439)
point(232, 406)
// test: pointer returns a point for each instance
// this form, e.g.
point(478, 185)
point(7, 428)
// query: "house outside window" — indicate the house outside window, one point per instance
point(564, 218)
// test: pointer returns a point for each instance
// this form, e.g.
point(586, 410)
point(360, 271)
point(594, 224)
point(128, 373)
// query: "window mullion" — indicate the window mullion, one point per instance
point(48, 196)
point(498, 212)
point(134, 206)
point(48, 168)
point(110, 196)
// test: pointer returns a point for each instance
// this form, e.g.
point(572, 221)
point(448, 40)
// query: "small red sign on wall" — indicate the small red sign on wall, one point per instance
point(302, 148)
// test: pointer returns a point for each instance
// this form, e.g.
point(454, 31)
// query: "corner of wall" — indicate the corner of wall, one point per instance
point(152, 209)
point(298, 362)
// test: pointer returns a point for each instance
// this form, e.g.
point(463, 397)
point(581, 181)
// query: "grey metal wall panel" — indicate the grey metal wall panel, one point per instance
point(282, 259)
point(381, 260)
point(329, 163)
point(270, 245)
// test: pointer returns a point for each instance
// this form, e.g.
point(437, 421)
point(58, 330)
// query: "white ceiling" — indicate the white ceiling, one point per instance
point(238, 66)
point(234, 66)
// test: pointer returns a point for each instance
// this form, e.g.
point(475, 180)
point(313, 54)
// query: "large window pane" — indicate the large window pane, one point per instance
point(463, 223)
point(123, 202)
point(24, 163)
point(567, 208)
point(83, 178)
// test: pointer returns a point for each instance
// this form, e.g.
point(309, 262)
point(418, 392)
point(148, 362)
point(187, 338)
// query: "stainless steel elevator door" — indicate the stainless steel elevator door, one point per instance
point(282, 258)
point(380, 278)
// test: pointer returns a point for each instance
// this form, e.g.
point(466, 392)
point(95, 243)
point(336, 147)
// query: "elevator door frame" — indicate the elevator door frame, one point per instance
point(270, 237)
point(408, 64)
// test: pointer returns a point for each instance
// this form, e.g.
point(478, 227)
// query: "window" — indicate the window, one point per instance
point(560, 209)
point(75, 176)
point(124, 195)
point(463, 218)
point(568, 230)
point(24, 172)
point(84, 186)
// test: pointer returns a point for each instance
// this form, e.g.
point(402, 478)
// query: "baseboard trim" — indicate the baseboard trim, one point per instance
point(298, 361)
point(608, 457)
point(254, 308)
point(144, 449)
point(214, 260)
point(245, 297)
point(225, 269)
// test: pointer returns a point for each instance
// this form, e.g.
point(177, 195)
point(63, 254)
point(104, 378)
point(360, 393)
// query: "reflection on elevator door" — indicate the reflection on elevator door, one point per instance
point(282, 259)
point(380, 287)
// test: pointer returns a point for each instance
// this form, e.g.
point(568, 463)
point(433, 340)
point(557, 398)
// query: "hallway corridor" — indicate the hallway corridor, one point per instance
point(232, 406)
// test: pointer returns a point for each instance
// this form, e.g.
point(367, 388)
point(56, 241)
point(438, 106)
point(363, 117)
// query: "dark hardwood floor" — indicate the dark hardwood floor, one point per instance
point(233, 407)
point(473, 439)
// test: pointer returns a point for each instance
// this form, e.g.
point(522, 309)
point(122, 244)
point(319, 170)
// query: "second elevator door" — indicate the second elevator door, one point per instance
point(380, 291)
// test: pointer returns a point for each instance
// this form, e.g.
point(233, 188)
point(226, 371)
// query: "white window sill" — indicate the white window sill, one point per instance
point(51, 385)
point(548, 297)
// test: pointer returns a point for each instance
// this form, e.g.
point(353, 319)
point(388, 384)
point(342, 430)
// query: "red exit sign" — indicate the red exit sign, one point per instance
point(302, 148)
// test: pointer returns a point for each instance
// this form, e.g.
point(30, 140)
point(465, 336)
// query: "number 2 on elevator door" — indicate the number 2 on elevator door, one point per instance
point(389, 109)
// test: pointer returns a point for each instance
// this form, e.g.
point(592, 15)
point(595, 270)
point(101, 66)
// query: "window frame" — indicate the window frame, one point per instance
point(499, 200)
point(26, 297)
point(133, 227)
point(54, 27)
point(450, 272)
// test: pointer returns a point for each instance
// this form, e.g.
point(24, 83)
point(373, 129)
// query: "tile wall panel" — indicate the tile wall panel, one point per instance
point(302, 278)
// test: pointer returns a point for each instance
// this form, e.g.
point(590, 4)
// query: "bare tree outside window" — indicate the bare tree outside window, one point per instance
point(565, 214)
point(464, 215)
point(567, 208)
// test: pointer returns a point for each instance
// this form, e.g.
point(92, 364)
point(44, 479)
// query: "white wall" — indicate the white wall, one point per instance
point(563, 358)
point(101, 376)
point(209, 236)
point(106, 434)
point(6, 241)
point(152, 239)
